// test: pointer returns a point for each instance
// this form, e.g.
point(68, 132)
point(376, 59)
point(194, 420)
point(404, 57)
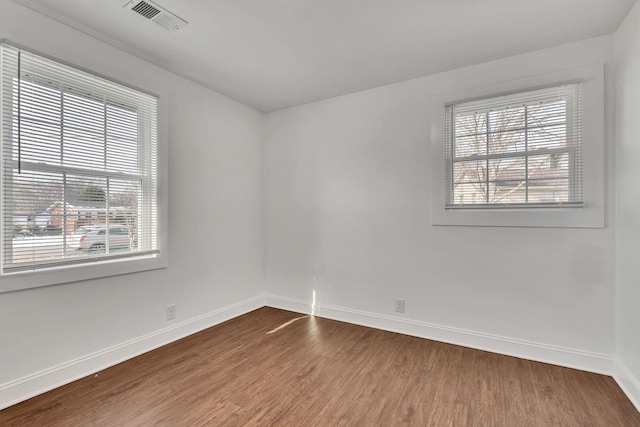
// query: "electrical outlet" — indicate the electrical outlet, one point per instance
point(171, 312)
point(399, 306)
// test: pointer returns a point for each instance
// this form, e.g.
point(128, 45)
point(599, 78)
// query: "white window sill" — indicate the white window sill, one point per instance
point(105, 268)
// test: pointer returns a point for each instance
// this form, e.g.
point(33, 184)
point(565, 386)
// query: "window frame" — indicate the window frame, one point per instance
point(588, 214)
point(101, 266)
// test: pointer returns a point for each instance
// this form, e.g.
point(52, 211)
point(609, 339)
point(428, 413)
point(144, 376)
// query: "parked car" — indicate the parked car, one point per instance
point(93, 238)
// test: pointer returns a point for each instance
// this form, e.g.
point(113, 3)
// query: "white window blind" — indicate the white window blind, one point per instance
point(79, 166)
point(522, 149)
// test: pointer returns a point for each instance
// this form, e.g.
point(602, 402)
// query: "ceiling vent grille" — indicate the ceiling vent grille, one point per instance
point(156, 14)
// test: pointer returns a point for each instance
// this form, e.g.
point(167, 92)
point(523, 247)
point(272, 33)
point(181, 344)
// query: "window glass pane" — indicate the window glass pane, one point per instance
point(470, 145)
point(507, 192)
point(83, 149)
point(507, 169)
point(547, 137)
point(40, 103)
point(548, 190)
point(40, 130)
point(547, 113)
point(549, 166)
point(83, 114)
point(84, 128)
point(507, 119)
point(473, 171)
point(33, 235)
point(470, 194)
point(513, 192)
point(549, 177)
point(471, 124)
point(507, 180)
point(124, 198)
point(122, 144)
point(40, 142)
point(507, 142)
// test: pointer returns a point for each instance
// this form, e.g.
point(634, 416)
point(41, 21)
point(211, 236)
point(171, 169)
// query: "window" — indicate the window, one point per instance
point(522, 149)
point(79, 166)
point(514, 150)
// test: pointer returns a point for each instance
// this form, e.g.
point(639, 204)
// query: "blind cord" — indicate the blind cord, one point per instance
point(19, 115)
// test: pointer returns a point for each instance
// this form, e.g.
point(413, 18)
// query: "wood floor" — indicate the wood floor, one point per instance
point(274, 367)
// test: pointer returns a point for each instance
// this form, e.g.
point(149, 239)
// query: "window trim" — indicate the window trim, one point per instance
point(105, 267)
point(589, 215)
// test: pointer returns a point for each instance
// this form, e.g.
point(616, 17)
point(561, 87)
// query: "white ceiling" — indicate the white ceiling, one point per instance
point(273, 54)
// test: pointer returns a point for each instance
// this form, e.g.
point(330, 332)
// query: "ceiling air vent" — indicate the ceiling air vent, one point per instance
point(156, 14)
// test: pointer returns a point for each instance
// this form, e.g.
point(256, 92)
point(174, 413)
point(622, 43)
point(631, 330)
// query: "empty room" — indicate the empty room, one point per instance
point(296, 213)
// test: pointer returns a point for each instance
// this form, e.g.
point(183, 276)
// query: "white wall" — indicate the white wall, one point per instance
point(215, 159)
point(348, 194)
point(627, 41)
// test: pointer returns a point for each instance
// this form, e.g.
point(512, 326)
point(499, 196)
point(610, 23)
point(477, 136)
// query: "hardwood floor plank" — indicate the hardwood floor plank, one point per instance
point(274, 367)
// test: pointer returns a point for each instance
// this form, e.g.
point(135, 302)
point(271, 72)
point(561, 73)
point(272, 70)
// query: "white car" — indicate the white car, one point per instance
point(93, 238)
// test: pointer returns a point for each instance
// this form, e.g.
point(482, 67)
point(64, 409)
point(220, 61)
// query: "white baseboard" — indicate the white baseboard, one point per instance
point(40, 382)
point(562, 356)
point(627, 382)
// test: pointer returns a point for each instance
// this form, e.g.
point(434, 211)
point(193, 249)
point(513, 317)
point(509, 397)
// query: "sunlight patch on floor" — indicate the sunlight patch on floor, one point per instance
point(285, 324)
